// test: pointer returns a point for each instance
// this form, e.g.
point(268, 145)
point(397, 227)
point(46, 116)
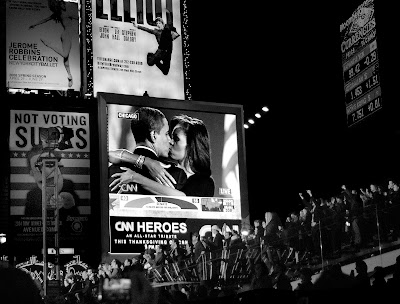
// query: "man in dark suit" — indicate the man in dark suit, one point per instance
point(151, 132)
point(216, 243)
point(199, 251)
point(217, 240)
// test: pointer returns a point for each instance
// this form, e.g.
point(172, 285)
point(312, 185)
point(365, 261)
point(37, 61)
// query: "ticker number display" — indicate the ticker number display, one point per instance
point(362, 82)
point(364, 87)
point(365, 110)
point(360, 66)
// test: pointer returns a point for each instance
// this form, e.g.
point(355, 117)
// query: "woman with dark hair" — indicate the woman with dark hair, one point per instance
point(191, 151)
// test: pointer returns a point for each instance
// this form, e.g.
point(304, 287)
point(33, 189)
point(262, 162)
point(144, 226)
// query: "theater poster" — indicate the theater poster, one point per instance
point(131, 54)
point(43, 44)
point(64, 136)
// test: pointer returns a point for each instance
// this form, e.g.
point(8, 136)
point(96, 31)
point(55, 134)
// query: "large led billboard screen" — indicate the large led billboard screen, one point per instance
point(133, 52)
point(210, 185)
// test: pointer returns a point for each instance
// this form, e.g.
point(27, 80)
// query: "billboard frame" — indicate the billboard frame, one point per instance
point(209, 107)
point(34, 102)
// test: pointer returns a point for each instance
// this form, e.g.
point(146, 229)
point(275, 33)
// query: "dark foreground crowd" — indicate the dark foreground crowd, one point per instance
point(332, 286)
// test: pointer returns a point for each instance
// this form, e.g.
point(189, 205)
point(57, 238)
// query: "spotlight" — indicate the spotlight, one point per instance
point(265, 109)
point(258, 115)
point(251, 121)
point(246, 126)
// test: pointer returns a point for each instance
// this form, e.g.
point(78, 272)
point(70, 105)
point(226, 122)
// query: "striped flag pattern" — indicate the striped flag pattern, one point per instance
point(75, 167)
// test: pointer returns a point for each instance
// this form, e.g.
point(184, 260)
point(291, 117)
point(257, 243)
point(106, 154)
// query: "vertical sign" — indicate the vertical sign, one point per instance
point(362, 84)
point(137, 47)
point(29, 132)
point(43, 44)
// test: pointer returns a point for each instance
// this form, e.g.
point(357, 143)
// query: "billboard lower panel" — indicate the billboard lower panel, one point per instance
point(135, 234)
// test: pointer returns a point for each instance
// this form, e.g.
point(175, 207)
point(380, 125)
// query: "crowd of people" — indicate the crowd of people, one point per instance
point(265, 281)
point(354, 219)
point(226, 264)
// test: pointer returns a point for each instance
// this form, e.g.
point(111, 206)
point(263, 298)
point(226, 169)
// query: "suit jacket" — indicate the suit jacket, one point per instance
point(198, 248)
point(216, 242)
point(178, 174)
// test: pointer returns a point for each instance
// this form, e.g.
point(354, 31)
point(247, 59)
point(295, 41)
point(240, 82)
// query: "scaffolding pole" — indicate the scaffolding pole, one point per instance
point(50, 201)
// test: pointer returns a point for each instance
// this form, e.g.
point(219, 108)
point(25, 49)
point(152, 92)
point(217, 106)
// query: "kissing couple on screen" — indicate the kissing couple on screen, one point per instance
point(175, 163)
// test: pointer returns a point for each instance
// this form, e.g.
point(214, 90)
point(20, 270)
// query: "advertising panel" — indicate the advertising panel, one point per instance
point(137, 48)
point(360, 62)
point(43, 44)
point(200, 145)
point(134, 234)
point(30, 132)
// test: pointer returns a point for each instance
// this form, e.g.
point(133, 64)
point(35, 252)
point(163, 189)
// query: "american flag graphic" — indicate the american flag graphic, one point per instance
point(74, 163)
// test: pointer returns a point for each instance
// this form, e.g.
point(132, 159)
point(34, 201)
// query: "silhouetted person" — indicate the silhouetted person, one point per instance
point(17, 286)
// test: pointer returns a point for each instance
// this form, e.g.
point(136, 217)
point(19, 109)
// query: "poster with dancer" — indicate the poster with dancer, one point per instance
point(43, 44)
point(137, 47)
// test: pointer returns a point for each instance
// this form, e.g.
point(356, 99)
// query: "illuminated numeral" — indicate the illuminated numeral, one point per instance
point(358, 91)
point(373, 56)
point(371, 107)
point(357, 68)
point(360, 113)
point(351, 73)
point(375, 79)
point(366, 62)
point(377, 103)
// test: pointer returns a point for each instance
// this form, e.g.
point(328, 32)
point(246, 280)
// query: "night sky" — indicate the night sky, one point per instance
point(287, 56)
